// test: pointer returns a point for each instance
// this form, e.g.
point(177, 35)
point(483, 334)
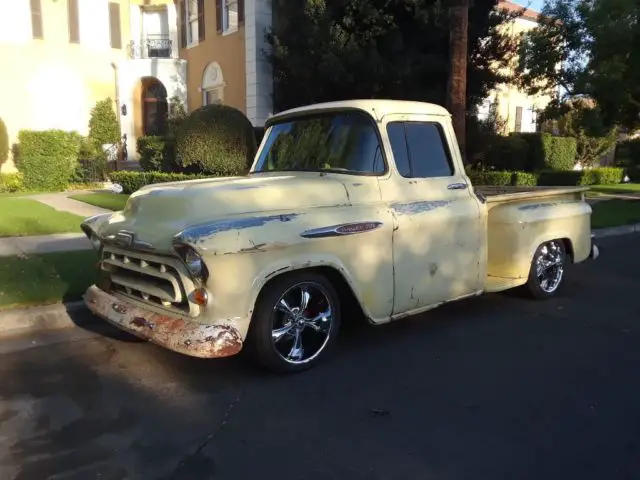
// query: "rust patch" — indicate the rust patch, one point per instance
point(177, 334)
point(118, 308)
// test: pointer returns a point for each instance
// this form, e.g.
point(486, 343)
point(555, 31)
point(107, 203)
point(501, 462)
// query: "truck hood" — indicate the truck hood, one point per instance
point(156, 213)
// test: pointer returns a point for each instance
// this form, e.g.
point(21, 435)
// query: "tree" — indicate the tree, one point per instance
point(587, 47)
point(457, 81)
point(103, 124)
point(324, 50)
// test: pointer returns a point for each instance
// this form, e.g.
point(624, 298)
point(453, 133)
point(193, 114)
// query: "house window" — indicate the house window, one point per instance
point(191, 22)
point(74, 23)
point(229, 14)
point(518, 119)
point(212, 85)
point(36, 19)
point(213, 96)
point(114, 25)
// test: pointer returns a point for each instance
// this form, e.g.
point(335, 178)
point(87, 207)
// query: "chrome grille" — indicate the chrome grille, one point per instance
point(160, 282)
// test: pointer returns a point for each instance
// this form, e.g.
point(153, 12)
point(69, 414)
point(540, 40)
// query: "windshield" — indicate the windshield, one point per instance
point(345, 142)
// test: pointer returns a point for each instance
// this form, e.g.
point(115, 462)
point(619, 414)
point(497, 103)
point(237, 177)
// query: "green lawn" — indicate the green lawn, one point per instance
point(22, 216)
point(620, 188)
point(46, 278)
point(611, 213)
point(110, 201)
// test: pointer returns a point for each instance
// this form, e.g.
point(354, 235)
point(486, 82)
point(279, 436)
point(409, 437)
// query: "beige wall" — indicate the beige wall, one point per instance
point(228, 51)
point(51, 83)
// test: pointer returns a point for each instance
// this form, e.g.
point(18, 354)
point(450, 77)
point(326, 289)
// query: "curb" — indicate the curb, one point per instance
point(616, 231)
point(47, 317)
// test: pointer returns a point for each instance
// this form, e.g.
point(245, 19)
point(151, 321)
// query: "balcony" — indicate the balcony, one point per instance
point(152, 46)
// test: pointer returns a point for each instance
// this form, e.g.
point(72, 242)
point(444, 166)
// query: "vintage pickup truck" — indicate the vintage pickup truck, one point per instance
point(360, 203)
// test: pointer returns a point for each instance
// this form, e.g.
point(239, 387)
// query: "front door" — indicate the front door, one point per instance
point(155, 108)
point(438, 235)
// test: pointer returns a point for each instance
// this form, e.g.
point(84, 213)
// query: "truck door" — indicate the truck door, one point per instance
point(438, 231)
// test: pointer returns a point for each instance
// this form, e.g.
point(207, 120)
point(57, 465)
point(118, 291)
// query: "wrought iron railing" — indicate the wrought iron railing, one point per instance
point(153, 46)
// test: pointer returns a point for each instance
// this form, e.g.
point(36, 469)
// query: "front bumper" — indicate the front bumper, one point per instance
point(182, 336)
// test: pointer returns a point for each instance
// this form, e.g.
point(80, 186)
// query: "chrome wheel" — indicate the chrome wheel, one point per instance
point(549, 266)
point(301, 324)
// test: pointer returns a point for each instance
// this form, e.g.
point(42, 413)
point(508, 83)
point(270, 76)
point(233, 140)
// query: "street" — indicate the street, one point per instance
point(498, 387)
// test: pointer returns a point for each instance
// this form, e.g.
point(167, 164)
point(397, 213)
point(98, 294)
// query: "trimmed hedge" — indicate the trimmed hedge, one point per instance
point(48, 158)
point(11, 182)
point(549, 178)
point(133, 181)
point(216, 139)
point(507, 153)
point(4, 142)
point(103, 123)
point(156, 153)
point(503, 178)
point(548, 152)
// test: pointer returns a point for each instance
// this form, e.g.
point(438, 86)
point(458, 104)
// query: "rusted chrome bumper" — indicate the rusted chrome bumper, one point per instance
point(182, 336)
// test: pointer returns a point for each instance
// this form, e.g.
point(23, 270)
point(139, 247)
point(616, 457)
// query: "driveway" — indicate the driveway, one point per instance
point(492, 388)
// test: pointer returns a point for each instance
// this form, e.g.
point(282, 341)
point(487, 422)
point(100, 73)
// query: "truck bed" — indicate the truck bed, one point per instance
point(507, 194)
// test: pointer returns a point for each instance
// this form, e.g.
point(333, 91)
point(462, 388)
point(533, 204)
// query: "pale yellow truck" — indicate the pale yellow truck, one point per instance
point(360, 203)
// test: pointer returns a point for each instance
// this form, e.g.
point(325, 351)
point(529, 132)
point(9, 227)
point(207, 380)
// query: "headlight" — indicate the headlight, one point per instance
point(193, 261)
point(95, 241)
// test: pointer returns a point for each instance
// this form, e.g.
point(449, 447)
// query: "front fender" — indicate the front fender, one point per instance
point(242, 255)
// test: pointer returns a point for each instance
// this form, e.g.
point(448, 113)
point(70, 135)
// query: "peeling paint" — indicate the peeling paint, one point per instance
point(419, 207)
point(182, 336)
point(200, 233)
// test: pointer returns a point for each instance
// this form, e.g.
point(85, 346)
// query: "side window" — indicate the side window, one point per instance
point(420, 149)
point(428, 152)
point(395, 130)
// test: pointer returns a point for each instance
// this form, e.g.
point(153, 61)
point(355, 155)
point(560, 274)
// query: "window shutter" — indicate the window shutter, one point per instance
point(183, 23)
point(219, 16)
point(36, 19)
point(201, 34)
point(74, 24)
point(114, 25)
point(240, 11)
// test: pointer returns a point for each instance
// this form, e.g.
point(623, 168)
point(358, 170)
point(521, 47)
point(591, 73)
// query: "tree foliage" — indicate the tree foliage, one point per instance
point(587, 47)
point(324, 50)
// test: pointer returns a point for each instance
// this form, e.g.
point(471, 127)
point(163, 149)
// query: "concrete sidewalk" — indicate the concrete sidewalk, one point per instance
point(61, 202)
point(32, 245)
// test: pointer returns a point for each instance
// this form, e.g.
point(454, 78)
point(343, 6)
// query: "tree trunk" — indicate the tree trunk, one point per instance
point(457, 84)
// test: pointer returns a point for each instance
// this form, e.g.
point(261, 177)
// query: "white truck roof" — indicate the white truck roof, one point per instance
point(376, 108)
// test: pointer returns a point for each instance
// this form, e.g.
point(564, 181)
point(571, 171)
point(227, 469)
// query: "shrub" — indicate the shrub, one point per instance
point(506, 153)
point(634, 173)
point(503, 178)
point(47, 158)
point(4, 142)
point(132, 181)
point(216, 139)
point(156, 153)
point(594, 176)
point(11, 182)
point(103, 123)
point(92, 164)
point(628, 153)
point(547, 152)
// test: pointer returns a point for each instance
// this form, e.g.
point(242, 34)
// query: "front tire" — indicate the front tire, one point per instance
point(547, 270)
point(295, 322)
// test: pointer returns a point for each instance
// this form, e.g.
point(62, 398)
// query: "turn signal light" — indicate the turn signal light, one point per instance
point(200, 296)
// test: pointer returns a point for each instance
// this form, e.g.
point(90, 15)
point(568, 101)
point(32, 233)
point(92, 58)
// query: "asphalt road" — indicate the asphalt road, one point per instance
point(497, 387)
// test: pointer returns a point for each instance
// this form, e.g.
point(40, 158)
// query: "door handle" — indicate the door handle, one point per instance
point(457, 186)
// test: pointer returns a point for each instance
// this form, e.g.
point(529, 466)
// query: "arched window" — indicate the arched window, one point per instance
point(212, 84)
point(154, 107)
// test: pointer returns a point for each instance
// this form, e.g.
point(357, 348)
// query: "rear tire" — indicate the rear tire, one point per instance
point(547, 270)
point(295, 322)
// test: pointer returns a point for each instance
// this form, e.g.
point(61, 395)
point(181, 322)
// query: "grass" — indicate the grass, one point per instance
point(22, 216)
point(620, 188)
point(46, 278)
point(612, 213)
point(110, 201)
